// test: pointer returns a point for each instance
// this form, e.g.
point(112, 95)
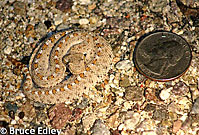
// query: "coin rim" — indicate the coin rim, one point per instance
point(152, 78)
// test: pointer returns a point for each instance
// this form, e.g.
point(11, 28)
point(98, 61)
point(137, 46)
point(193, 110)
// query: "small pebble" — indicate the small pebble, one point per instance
point(19, 8)
point(8, 50)
point(124, 82)
point(132, 120)
point(21, 115)
point(59, 115)
point(165, 94)
point(100, 128)
point(11, 106)
point(113, 121)
point(91, 7)
point(11, 114)
point(160, 114)
point(83, 21)
point(64, 5)
point(58, 20)
point(133, 93)
point(84, 2)
point(41, 29)
point(180, 89)
point(88, 121)
point(195, 108)
point(13, 122)
point(125, 65)
point(177, 125)
point(157, 5)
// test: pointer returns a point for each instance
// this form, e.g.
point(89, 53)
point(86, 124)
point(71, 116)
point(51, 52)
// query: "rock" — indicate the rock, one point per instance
point(19, 8)
point(92, 6)
point(195, 108)
point(134, 93)
point(116, 50)
point(124, 65)
point(41, 29)
point(21, 115)
point(88, 121)
point(83, 21)
point(157, 5)
point(113, 121)
point(131, 121)
point(64, 5)
point(160, 114)
point(184, 103)
point(165, 94)
point(115, 132)
point(13, 122)
point(76, 114)
point(9, 41)
point(177, 125)
point(7, 50)
point(4, 120)
point(84, 2)
point(59, 115)
point(58, 20)
point(150, 107)
point(124, 82)
point(189, 122)
point(100, 128)
point(83, 104)
point(180, 89)
point(11, 106)
point(166, 123)
point(39, 105)
point(174, 107)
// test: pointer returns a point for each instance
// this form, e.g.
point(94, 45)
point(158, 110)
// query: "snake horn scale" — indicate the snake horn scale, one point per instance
point(86, 55)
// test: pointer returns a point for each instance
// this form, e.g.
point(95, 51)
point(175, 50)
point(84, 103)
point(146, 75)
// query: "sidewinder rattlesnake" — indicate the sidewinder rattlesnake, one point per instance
point(87, 56)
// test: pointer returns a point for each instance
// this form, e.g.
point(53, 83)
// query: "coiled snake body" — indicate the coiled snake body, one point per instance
point(66, 65)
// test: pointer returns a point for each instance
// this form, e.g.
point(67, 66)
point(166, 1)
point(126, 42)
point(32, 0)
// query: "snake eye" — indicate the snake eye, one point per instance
point(85, 54)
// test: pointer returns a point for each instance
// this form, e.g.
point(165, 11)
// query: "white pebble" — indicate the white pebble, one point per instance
point(125, 64)
point(58, 20)
point(83, 21)
point(112, 77)
point(13, 122)
point(85, 2)
point(121, 127)
point(165, 94)
point(7, 49)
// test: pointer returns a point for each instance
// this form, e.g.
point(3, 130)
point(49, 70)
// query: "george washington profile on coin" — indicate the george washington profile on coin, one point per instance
point(162, 56)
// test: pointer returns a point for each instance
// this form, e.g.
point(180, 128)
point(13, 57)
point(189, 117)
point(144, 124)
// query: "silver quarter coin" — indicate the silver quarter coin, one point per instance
point(162, 56)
